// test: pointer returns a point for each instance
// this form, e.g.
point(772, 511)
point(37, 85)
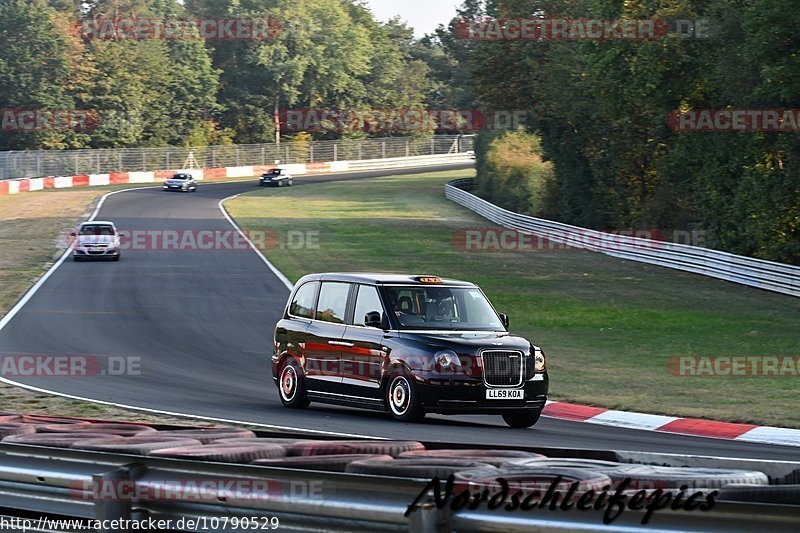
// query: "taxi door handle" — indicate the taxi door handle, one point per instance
point(341, 343)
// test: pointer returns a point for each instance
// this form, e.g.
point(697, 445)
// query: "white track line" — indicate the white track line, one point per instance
point(267, 262)
point(38, 285)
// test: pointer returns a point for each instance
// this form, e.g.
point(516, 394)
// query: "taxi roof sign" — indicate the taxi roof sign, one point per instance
point(428, 279)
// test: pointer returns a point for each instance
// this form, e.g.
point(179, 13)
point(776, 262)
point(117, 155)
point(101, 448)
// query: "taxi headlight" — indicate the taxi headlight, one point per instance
point(446, 359)
point(539, 361)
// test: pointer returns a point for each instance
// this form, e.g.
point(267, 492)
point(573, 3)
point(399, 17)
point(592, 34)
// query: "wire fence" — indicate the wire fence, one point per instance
point(37, 163)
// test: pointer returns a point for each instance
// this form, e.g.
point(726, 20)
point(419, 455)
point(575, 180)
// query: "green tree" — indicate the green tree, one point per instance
point(37, 72)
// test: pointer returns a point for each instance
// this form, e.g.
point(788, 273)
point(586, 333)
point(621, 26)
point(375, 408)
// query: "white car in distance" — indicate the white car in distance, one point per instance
point(182, 181)
point(97, 239)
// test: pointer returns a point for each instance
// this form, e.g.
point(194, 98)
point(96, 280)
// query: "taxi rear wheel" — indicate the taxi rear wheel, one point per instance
point(292, 387)
point(403, 399)
point(523, 418)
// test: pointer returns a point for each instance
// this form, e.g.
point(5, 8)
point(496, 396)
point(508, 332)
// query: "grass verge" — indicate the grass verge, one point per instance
point(609, 326)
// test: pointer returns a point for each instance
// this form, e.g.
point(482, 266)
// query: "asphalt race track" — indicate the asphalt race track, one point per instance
point(202, 324)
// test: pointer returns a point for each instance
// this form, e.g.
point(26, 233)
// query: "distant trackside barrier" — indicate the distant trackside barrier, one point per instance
point(758, 273)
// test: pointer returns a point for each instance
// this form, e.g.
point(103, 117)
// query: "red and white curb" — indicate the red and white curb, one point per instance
point(16, 186)
point(670, 424)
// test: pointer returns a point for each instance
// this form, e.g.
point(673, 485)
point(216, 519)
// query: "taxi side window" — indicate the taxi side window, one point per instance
point(332, 303)
point(367, 301)
point(303, 303)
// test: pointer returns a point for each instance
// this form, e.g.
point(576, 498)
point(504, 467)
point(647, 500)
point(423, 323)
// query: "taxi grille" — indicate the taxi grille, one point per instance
point(502, 368)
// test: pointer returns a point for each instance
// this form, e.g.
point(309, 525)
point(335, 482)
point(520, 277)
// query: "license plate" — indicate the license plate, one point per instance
point(504, 394)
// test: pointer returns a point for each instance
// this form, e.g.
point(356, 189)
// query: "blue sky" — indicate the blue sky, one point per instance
point(423, 15)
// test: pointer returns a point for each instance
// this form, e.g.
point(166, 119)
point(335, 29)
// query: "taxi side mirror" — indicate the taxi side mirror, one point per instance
point(373, 319)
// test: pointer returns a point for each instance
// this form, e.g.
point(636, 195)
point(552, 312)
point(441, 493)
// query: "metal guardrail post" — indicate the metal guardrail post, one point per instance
point(427, 518)
point(112, 508)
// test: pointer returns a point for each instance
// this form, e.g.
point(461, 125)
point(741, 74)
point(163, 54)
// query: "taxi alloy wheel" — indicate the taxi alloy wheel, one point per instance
point(403, 400)
point(292, 388)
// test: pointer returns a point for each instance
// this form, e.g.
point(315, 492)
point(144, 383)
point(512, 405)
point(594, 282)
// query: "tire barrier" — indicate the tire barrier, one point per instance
point(338, 447)
point(530, 478)
point(424, 467)
point(210, 435)
point(568, 462)
point(46, 420)
point(644, 477)
point(15, 428)
point(327, 463)
point(246, 453)
point(123, 430)
point(57, 440)
point(492, 457)
point(250, 440)
point(138, 445)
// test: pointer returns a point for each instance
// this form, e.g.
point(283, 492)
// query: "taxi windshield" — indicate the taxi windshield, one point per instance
point(438, 307)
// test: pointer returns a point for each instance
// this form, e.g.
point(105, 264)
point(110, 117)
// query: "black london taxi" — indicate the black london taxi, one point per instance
point(409, 345)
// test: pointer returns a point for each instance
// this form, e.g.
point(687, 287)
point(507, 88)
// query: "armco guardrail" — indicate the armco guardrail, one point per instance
point(758, 273)
point(36, 163)
point(88, 485)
